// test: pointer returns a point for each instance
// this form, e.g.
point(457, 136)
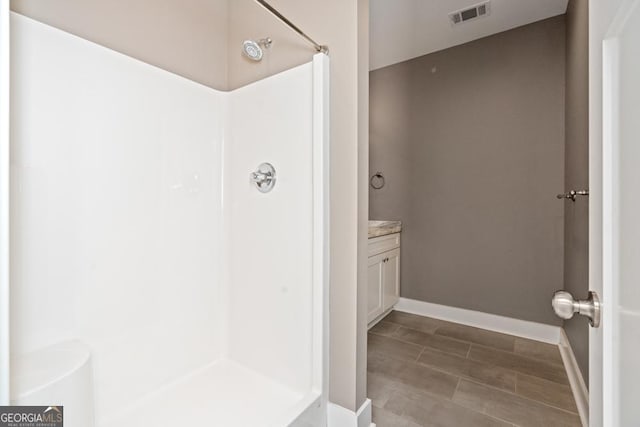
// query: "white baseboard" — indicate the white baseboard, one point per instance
point(377, 320)
point(338, 416)
point(578, 386)
point(506, 325)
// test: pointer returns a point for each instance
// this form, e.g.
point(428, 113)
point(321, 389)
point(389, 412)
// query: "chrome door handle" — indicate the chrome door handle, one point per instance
point(573, 194)
point(565, 306)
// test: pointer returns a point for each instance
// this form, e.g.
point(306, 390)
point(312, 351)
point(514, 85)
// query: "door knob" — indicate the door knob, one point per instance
point(565, 306)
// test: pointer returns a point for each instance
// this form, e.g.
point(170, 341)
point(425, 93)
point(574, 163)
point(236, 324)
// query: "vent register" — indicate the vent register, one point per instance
point(470, 13)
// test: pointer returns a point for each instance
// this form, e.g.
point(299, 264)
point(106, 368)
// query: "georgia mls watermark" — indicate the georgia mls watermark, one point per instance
point(31, 416)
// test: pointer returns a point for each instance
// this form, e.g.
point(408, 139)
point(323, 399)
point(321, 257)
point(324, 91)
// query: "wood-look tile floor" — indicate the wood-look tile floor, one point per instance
point(428, 372)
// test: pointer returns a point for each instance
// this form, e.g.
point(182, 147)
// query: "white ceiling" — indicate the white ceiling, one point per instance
point(405, 29)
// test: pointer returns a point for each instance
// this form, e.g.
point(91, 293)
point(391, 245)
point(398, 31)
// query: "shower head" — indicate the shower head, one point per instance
point(253, 49)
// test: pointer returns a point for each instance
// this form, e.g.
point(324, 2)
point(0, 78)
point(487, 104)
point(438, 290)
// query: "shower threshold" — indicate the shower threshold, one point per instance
point(222, 394)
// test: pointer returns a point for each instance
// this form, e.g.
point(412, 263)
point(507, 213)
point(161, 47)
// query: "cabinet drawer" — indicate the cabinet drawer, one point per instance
point(383, 243)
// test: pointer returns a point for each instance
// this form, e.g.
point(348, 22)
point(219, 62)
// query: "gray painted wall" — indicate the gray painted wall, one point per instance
point(471, 142)
point(576, 231)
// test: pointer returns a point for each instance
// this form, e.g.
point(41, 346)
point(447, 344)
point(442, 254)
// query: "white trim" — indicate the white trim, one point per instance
point(578, 386)
point(610, 50)
point(492, 322)
point(611, 211)
point(4, 201)
point(364, 414)
point(321, 234)
point(338, 416)
point(378, 319)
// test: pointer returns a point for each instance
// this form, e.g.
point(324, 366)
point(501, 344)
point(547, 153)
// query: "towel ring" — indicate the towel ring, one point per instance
point(377, 181)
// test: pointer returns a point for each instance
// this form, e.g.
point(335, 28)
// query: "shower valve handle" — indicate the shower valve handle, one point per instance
point(264, 178)
point(259, 177)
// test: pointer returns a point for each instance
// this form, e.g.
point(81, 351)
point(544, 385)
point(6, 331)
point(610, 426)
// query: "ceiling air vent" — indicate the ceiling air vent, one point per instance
point(470, 13)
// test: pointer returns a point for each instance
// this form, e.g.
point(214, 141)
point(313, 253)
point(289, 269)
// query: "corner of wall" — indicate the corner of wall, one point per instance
point(363, 197)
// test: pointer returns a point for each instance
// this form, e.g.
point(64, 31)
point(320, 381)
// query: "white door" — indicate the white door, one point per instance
point(374, 286)
point(614, 392)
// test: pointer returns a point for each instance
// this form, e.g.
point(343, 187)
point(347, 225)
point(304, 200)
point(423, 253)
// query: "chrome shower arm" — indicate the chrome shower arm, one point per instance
point(319, 47)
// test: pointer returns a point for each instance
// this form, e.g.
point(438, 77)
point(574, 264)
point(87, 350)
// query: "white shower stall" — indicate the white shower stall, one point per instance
point(151, 283)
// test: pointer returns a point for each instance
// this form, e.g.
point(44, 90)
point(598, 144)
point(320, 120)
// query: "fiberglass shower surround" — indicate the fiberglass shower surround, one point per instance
point(148, 272)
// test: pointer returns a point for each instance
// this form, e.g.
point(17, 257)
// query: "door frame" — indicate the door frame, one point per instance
point(596, 204)
point(604, 24)
point(4, 201)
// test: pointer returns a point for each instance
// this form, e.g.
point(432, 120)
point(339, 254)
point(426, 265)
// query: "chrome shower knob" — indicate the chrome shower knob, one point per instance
point(264, 178)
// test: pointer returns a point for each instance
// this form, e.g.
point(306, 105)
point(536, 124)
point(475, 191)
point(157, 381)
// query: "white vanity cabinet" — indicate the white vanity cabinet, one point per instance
point(383, 275)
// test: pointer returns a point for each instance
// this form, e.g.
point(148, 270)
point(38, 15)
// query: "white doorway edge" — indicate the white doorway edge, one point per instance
point(338, 416)
point(576, 381)
point(4, 202)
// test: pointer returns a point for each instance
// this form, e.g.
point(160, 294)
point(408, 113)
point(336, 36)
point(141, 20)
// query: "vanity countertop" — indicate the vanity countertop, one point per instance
point(382, 228)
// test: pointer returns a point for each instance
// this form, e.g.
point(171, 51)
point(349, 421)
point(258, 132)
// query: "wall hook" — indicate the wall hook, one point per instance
point(377, 181)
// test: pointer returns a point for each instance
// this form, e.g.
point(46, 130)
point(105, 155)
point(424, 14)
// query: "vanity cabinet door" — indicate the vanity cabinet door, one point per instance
point(390, 279)
point(374, 282)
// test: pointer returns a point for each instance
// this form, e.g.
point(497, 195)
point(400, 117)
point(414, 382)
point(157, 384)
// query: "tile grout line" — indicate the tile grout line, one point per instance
point(398, 327)
point(475, 381)
point(483, 411)
point(453, 402)
point(437, 350)
point(396, 337)
point(471, 344)
point(464, 377)
point(525, 356)
point(479, 382)
point(456, 389)
point(515, 338)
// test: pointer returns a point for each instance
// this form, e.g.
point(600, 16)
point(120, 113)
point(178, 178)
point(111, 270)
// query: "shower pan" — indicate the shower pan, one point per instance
point(154, 281)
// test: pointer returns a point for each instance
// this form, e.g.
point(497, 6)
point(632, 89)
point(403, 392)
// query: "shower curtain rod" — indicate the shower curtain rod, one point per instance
point(319, 47)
